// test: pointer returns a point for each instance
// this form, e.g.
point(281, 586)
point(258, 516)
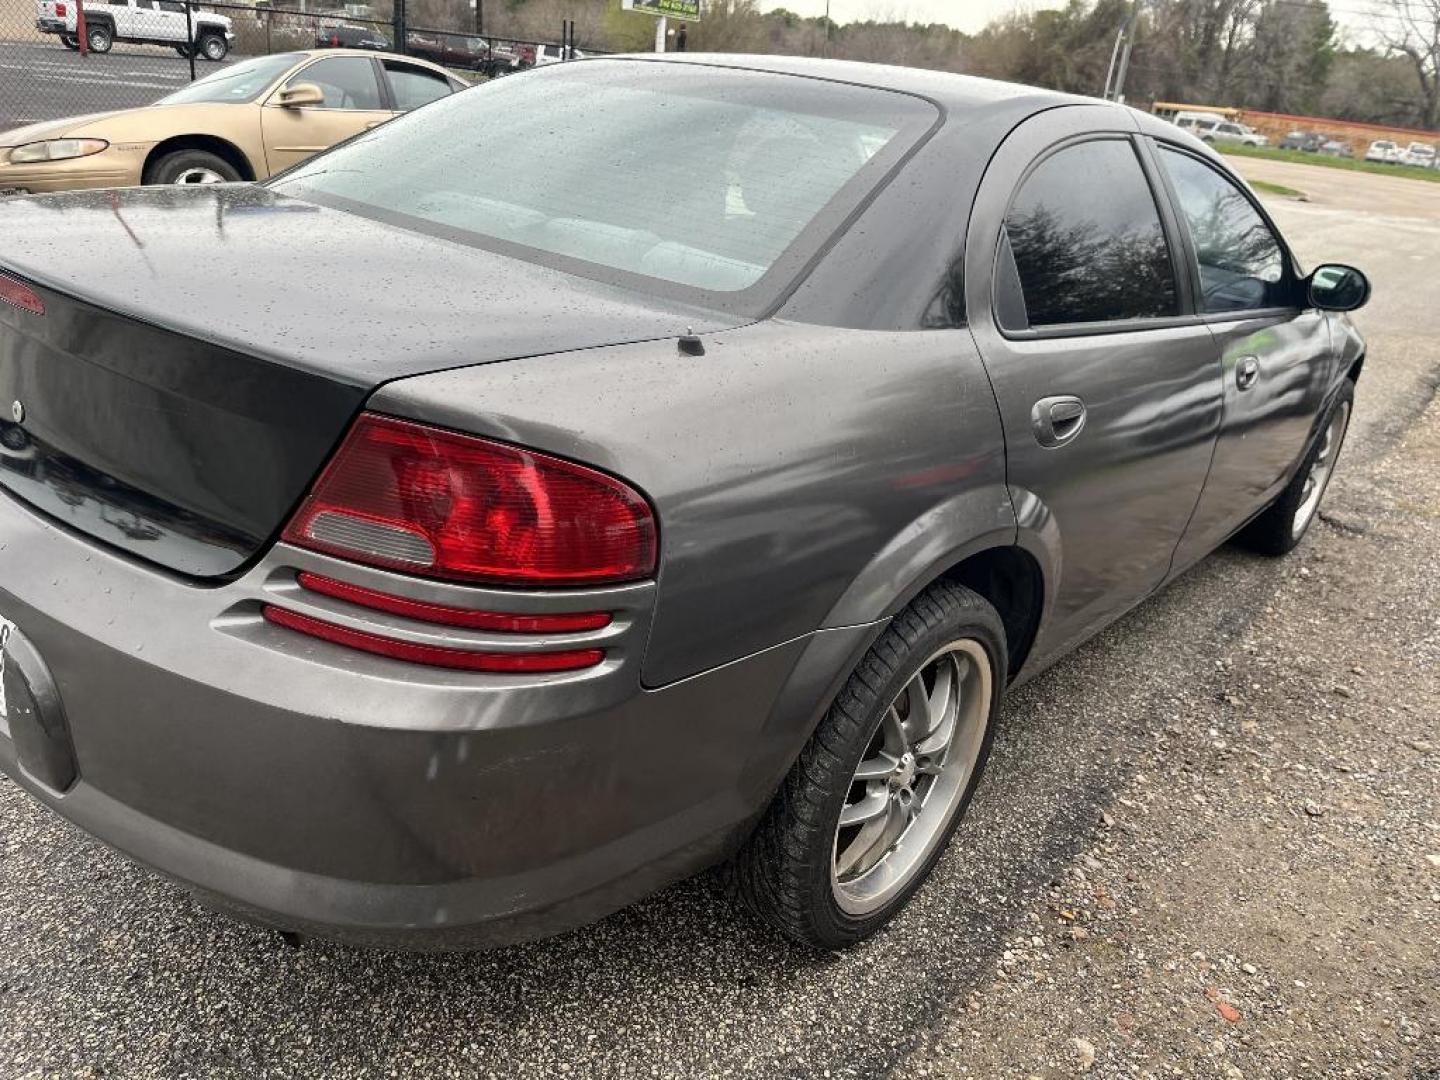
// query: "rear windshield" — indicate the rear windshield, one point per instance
point(650, 174)
point(238, 83)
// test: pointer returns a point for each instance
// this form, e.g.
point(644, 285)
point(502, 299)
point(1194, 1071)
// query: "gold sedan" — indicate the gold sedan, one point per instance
point(244, 122)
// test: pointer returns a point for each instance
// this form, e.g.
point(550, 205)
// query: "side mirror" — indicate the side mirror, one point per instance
point(300, 96)
point(1337, 287)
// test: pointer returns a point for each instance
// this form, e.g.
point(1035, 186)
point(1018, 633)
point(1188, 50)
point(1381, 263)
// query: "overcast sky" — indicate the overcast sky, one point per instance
point(968, 15)
point(961, 14)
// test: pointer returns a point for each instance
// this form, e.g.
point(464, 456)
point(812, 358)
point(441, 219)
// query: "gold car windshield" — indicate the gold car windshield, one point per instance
point(237, 84)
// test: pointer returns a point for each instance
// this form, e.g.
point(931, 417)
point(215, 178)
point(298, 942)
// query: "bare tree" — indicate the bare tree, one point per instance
point(1412, 29)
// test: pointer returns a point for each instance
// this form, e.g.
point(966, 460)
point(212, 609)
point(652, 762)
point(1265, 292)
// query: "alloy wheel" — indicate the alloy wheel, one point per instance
point(1321, 466)
point(912, 778)
point(198, 176)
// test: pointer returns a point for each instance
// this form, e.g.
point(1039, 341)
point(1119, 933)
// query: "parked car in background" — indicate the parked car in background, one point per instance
point(461, 51)
point(138, 22)
point(1420, 154)
point(351, 37)
point(503, 536)
point(1337, 148)
point(1384, 150)
point(1228, 131)
point(244, 122)
point(1308, 141)
point(1187, 119)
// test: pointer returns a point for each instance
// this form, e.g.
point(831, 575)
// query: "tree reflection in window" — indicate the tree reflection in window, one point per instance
point(1241, 265)
point(1087, 239)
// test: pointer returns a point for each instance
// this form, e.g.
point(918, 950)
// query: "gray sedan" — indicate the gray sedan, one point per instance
point(427, 548)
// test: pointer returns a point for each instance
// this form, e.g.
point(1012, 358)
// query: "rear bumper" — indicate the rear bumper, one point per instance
point(50, 26)
point(326, 791)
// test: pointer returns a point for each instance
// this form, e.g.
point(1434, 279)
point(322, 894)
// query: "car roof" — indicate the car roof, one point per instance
point(952, 91)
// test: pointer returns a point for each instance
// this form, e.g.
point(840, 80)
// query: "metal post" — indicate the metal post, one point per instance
point(80, 33)
point(1124, 67)
point(479, 17)
point(662, 27)
point(827, 28)
point(190, 37)
point(1114, 54)
point(399, 26)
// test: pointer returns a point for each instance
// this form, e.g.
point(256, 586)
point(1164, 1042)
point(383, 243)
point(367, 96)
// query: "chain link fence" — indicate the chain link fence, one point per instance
point(61, 58)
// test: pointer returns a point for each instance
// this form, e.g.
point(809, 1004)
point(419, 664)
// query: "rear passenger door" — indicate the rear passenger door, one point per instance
point(411, 85)
point(1274, 353)
point(1106, 380)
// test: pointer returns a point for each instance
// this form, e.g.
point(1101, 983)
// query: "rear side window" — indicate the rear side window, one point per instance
point(1242, 266)
point(414, 86)
point(1087, 242)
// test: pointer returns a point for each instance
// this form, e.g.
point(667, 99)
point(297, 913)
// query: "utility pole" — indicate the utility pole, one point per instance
point(1115, 76)
point(827, 27)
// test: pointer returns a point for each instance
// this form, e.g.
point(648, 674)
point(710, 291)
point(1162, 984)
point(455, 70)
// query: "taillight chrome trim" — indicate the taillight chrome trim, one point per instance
point(433, 613)
point(429, 655)
point(276, 582)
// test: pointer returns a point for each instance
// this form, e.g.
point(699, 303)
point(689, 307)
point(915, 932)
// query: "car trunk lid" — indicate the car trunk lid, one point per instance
point(202, 352)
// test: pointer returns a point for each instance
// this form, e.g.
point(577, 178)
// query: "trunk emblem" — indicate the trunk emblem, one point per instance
point(17, 410)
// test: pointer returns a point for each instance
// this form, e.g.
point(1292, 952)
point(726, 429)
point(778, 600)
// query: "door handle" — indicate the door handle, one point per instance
point(1247, 371)
point(1057, 420)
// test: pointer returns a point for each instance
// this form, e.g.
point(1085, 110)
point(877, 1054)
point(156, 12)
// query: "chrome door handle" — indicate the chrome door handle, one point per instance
point(1057, 420)
point(1247, 371)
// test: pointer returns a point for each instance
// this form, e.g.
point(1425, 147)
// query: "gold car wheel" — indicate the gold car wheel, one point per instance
point(199, 176)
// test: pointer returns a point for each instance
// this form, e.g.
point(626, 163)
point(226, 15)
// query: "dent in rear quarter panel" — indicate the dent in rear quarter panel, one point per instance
point(803, 476)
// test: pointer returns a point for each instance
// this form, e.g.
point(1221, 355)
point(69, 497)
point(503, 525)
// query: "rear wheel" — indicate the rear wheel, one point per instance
point(1284, 522)
point(865, 813)
point(99, 38)
point(213, 47)
point(191, 167)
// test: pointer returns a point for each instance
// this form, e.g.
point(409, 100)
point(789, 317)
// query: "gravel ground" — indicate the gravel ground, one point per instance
point(1206, 846)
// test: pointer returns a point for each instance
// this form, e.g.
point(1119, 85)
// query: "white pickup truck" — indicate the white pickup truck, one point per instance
point(140, 22)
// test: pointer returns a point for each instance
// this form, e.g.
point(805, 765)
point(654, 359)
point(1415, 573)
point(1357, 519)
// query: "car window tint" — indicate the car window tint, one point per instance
point(348, 82)
point(414, 86)
point(1241, 262)
point(704, 182)
point(1087, 239)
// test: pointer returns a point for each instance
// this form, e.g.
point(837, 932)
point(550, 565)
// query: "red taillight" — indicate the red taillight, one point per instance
point(21, 296)
point(440, 504)
point(434, 655)
point(453, 616)
point(61, 10)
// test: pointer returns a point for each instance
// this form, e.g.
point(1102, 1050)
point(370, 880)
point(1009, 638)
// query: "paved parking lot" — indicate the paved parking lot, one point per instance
point(1223, 688)
point(45, 81)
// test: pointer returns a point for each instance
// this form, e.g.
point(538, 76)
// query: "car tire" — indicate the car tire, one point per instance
point(190, 167)
point(800, 871)
point(213, 47)
point(99, 37)
point(70, 41)
point(1283, 524)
